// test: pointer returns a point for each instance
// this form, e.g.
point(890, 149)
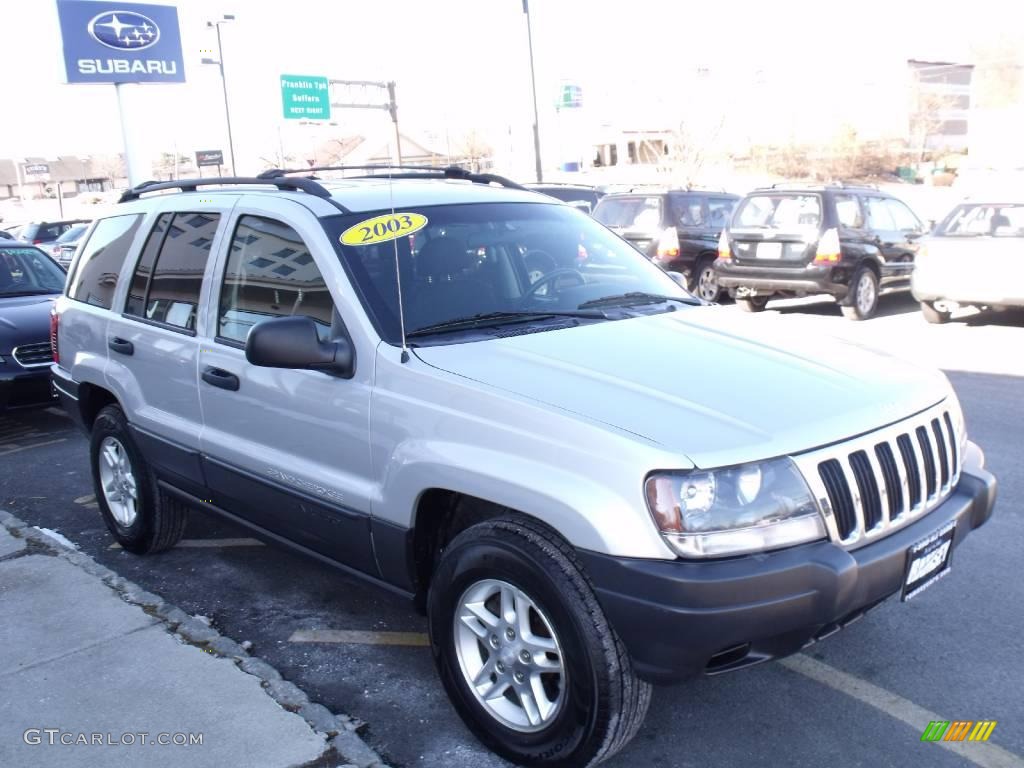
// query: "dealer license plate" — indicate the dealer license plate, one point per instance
point(928, 561)
point(769, 251)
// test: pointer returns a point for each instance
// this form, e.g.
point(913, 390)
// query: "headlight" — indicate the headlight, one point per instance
point(733, 511)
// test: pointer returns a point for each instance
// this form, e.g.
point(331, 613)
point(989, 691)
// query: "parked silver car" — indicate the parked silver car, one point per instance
point(975, 257)
point(486, 401)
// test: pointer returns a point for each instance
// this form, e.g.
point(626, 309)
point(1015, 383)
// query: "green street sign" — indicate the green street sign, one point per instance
point(305, 97)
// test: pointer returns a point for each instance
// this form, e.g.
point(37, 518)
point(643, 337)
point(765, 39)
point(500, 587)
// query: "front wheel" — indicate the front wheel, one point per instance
point(933, 315)
point(861, 302)
point(525, 652)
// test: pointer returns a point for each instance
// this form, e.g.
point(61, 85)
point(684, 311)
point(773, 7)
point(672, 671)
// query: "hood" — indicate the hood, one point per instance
point(24, 320)
point(720, 387)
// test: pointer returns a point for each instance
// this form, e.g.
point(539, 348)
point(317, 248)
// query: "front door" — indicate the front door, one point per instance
point(286, 450)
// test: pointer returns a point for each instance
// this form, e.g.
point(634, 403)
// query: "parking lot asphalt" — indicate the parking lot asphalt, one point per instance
point(954, 651)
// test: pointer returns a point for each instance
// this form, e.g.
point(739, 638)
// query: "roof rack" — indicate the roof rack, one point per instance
point(191, 185)
point(406, 172)
point(824, 184)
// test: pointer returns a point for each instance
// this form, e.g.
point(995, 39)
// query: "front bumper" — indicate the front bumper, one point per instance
point(684, 618)
point(25, 388)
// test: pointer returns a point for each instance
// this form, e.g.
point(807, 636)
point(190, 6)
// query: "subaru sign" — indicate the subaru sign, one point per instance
point(120, 42)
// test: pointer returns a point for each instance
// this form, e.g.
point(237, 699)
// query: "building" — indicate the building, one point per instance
point(39, 177)
point(939, 105)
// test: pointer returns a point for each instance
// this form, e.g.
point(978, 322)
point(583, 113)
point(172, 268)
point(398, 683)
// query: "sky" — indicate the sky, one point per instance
point(462, 65)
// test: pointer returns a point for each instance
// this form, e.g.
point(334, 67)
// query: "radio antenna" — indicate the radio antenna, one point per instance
point(398, 266)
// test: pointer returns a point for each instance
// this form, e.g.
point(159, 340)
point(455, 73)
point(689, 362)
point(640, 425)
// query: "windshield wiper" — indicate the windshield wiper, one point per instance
point(635, 298)
point(491, 319)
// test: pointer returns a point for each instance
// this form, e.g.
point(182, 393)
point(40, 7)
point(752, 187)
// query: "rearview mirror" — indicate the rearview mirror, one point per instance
point(582, 205)
point(293, 342)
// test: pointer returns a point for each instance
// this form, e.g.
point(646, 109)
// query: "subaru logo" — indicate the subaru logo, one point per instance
point(124, 30)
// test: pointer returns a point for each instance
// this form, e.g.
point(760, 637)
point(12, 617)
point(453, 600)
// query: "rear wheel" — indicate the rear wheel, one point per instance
point(706, 281)
point(752, 303)
point(861, 302)
point(141, 518)
point(933, 315)
point(525, 652)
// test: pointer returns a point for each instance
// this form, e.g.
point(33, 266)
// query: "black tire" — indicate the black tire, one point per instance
point(933, 315)
point(606, 702)
point(851, 306)
point(705, 281)
point(160, 520)
point(752, 303)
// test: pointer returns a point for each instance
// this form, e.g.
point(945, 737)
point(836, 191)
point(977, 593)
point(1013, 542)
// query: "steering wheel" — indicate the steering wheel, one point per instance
point(552, 276)
point(537, 263)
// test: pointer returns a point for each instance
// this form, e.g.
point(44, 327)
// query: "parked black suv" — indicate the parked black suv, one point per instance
point(45, 233)
point(677, 229)
point(851, 242)
point(580, 196)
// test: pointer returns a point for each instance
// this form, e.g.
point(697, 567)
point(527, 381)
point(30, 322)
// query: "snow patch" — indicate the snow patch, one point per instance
point(57, 537)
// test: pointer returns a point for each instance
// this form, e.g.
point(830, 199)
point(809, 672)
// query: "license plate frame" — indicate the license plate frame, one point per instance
point(772, 251)
point(925, 565)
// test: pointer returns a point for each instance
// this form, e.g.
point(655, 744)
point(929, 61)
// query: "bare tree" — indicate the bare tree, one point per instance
point(688, 148)
point(112, 168)
point(473, 148)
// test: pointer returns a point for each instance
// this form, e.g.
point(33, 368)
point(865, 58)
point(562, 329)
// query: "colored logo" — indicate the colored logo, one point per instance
point(958, 730)
point(124, 30)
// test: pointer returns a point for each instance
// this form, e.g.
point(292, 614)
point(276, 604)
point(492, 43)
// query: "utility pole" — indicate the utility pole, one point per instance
point(224, 85)
point(533, 87)
point(391, 106)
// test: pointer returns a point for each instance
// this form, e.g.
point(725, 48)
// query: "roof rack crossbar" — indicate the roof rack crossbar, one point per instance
point(407, 172)
point(191, 185)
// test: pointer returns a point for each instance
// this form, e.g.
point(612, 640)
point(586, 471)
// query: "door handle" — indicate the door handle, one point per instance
point(221, 378)
point(123, 346)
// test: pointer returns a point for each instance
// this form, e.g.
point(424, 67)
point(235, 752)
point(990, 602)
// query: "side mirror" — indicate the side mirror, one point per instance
point(680, 279)
point(293, 342)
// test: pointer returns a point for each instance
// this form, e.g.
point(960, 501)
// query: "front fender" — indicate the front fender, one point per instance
point(586, 513)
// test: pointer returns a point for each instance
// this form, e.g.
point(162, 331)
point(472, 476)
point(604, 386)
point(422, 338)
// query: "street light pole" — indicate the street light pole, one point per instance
point(224, 85)
point(533, 87)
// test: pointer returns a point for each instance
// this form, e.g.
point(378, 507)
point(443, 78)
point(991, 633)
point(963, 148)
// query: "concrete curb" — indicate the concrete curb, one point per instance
point(340, 732)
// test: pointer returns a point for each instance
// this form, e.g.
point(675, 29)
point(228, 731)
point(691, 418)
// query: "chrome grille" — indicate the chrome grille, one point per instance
point(870, 486)
point(33, 355)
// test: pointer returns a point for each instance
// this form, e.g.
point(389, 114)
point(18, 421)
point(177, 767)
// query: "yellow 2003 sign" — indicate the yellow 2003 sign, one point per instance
point(380, 229)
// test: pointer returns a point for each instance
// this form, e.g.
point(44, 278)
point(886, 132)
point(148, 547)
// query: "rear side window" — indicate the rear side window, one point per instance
point(688, 211)
point(879, 217)
point(136, 302)
point(270, 273)
point(720, 211)
point(779, 211)
point(172, 292)
point(629, 212)
point(848, 212)
point(101, 260)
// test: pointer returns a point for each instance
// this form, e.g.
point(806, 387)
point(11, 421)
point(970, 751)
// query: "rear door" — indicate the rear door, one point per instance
point(287, 450)
point(639, 219)
point(689, 213)
point(776, 229)
point(152, 338)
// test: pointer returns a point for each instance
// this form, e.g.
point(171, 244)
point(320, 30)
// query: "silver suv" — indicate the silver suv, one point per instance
point(485, 400)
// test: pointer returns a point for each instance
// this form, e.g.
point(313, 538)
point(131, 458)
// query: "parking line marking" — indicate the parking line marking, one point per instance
point(18, 449)
point(209, 543)
point(984, 754)
point(359, 637)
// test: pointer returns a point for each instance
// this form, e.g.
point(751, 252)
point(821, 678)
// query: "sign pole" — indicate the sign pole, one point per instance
point(138, 165)
point(60, 199)
point(21, 182)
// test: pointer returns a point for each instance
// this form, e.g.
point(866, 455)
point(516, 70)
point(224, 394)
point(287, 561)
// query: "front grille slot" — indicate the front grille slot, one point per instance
point(910, 467)
point(29, 355)
point(940, 443)
point(870, 499)
point(953, 444)
point(929, 460)
point(839, 496)
point(891, 477)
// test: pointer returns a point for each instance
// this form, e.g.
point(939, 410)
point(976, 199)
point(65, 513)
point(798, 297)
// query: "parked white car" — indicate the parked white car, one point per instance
point(974, 258)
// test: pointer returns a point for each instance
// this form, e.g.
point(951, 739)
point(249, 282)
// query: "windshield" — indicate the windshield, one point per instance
point(976, 220)
point(779, 211)
point(479, 259)
point(630, 212)
point(27, 271)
